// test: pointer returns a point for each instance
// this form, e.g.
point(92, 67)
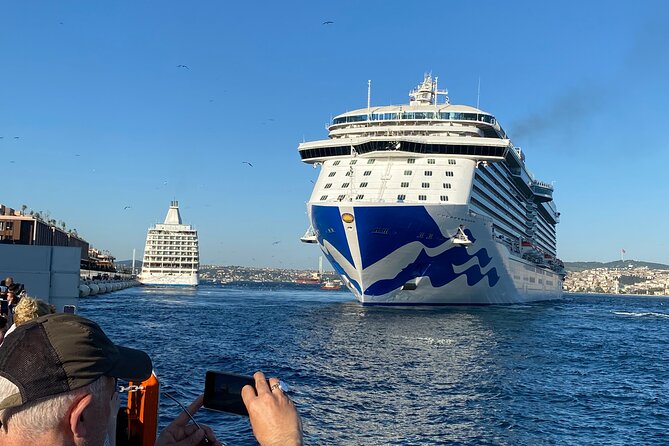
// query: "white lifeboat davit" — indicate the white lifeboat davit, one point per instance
point(309, 236)
point(460, 238)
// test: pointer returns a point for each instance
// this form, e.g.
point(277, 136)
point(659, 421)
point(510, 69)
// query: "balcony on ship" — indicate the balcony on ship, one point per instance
point(542, 191)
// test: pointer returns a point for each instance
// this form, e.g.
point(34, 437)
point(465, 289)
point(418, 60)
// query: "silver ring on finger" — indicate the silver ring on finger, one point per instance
point(282, 386)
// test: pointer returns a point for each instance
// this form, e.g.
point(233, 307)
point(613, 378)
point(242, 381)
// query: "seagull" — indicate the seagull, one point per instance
point(183, 66)
point(246, 162)
point(328, 22)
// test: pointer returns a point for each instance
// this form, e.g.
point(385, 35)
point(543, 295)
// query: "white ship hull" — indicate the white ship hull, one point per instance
point(177, 279)
point(385, 258)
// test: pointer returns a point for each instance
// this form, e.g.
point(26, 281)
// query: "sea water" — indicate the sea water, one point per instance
point(590, 369)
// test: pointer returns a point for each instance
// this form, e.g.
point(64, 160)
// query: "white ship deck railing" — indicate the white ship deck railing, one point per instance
point(416, 115)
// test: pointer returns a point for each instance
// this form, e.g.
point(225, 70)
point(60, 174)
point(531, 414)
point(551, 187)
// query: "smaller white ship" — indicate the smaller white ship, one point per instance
point(171, 254)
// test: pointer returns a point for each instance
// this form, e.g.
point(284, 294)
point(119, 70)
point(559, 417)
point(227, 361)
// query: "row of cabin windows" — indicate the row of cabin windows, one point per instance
point(427, 173)
point(409, 161)
point(400, 197)
point(402, 184)
point(370, 161)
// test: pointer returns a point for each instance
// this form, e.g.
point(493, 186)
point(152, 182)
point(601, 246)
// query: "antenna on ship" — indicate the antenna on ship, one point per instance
point(369, 98)
point(478, 93)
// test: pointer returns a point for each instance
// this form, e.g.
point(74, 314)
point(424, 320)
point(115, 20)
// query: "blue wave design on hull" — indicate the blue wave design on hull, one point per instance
point(340, 271)
point(327, 222)
point(404, 224)
point(440, 271)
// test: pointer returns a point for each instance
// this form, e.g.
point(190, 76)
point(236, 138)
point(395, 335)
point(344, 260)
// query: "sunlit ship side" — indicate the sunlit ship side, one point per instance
point(171, 254)
point(430, 203)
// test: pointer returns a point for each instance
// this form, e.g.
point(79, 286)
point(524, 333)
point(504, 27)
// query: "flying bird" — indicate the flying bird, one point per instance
point(328, 22)
point(183, 66)
point(127, 207)
point(246, 162)
point(16, 137)
point(276, 242)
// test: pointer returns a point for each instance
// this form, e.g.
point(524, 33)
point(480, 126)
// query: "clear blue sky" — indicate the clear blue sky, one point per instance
point(106, 119)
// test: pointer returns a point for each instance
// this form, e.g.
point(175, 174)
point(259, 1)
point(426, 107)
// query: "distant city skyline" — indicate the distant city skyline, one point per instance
point(110, 111)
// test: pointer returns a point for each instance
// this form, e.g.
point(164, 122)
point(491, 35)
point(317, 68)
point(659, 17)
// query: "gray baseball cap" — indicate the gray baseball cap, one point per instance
point(61, 352)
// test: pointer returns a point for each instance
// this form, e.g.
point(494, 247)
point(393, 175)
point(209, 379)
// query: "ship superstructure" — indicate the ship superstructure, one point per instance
point(171, 254)
point(431, 203)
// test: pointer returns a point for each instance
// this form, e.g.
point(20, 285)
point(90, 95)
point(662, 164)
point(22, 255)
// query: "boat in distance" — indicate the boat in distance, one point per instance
point(171, 254)
point(430, 203)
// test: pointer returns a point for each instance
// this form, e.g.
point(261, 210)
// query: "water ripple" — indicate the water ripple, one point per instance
point(587, 370)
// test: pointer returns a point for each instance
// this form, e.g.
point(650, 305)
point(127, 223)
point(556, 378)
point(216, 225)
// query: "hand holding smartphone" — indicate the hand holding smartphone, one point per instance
point(223, 391)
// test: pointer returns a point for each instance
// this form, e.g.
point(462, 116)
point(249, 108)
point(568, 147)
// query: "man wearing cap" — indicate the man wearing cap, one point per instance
point(58, 388)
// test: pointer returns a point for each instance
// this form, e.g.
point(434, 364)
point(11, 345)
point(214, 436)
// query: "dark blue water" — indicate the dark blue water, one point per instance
point(587, 370)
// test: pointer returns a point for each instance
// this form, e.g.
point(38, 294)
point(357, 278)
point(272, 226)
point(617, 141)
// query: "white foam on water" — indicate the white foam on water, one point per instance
point(644, 314)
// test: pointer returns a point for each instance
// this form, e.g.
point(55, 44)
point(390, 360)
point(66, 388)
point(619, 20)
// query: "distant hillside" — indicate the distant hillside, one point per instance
point(128, 263)
point(582, 266)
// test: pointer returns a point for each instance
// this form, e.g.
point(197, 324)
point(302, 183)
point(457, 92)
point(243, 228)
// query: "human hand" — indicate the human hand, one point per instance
point(180, 433)
point(273, 416)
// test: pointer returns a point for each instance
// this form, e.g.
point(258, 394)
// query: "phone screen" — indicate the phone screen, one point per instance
point(4, 306)
point(223, 391)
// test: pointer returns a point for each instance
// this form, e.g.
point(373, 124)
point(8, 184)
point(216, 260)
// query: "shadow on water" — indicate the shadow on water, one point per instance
point(567, 372)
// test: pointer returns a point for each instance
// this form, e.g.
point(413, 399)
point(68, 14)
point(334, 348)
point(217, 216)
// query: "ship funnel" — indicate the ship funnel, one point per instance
point(173, 216)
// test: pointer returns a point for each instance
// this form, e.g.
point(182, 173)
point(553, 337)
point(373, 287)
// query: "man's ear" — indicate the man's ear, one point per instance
point(79, 414)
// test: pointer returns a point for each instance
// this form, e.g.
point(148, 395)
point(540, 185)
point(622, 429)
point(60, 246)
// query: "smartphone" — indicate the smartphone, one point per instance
point(223, 391)
point(69, 309)
point(4, 306)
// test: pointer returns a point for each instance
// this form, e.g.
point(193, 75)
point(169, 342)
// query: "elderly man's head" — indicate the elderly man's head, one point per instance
point(57, 381)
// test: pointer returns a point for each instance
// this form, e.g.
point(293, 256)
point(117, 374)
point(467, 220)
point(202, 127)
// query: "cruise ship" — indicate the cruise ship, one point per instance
point(171, 254)
point(430, 203)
